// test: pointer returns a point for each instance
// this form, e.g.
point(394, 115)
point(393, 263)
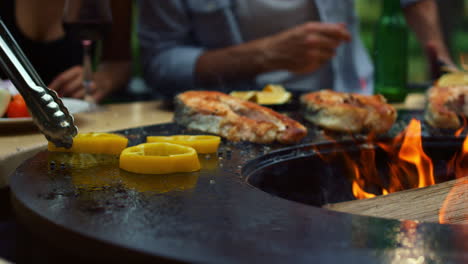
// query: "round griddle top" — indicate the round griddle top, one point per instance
point(211, 216)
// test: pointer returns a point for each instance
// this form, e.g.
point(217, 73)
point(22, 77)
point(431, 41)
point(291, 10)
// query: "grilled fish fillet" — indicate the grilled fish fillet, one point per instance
point(347, 112)
point(235, 119)
point(445, 105)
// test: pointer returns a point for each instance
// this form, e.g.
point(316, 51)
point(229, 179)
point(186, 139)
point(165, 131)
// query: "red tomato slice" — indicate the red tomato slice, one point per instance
point(17, 107)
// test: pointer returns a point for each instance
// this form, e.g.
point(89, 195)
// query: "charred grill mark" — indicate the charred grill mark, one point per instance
point(351, 100)
point(457, 105)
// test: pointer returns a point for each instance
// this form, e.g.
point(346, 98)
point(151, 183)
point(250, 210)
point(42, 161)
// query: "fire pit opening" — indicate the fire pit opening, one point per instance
point(320, 174)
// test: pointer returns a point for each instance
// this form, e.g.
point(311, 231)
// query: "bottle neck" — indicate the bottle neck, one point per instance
point(391, 7)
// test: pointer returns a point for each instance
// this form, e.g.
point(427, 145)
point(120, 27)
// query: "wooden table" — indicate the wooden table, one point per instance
point(20, 142)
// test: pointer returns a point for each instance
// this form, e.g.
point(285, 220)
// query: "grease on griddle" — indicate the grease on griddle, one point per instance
point(100, 173)
point(159, 183)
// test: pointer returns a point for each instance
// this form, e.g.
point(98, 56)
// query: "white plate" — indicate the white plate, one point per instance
point(73, 105)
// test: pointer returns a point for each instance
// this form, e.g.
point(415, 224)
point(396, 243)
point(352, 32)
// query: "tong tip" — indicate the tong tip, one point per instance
point(64, 139)
point(65, 142)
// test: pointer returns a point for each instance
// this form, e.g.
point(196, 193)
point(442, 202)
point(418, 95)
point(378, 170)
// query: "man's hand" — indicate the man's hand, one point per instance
point(301, 49)
point(304, 48)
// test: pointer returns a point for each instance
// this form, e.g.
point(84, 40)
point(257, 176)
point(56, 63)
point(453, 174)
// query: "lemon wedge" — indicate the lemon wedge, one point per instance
point(273, 94)
point(271, 98)
point(159, 158)
point(244, 95)
point(203, 144)
point(94, 143)
point(274, 88)
point(453, 78)
point(270, 95)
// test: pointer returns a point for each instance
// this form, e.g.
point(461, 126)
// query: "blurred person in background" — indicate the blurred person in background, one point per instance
point(37, 26)
point(228, 45)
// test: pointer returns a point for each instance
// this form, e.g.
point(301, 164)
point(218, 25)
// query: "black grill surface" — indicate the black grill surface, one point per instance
point(211, 216)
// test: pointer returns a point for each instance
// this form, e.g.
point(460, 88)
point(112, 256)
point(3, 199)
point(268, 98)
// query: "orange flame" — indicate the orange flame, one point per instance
point(465, 146)
point(412, 152)
point(462, 128)
point(409, 164)
point(358, 191)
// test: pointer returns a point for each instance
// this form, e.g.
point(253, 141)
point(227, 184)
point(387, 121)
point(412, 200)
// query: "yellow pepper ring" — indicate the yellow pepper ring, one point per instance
point(159, 158)
point(94, 143)
point(203, 144)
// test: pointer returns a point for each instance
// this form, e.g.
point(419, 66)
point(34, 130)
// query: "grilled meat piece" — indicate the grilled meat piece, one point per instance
point(235, 119)
point(446, 104)
point(347, 112)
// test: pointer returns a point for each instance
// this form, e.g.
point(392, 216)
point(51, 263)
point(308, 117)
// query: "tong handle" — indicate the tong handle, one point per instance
point(47, 110)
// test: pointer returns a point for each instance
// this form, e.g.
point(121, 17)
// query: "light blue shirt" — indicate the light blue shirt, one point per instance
point(174, 33)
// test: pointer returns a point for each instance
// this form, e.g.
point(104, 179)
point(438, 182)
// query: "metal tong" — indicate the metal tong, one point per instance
point(47, 110)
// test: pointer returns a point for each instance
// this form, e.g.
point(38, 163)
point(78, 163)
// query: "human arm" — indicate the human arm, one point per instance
point(174, 59)
point(168, 52)
point(301, 49)
point(423, 19)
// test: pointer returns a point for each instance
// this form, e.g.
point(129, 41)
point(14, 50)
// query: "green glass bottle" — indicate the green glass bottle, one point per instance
point(390, 53)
